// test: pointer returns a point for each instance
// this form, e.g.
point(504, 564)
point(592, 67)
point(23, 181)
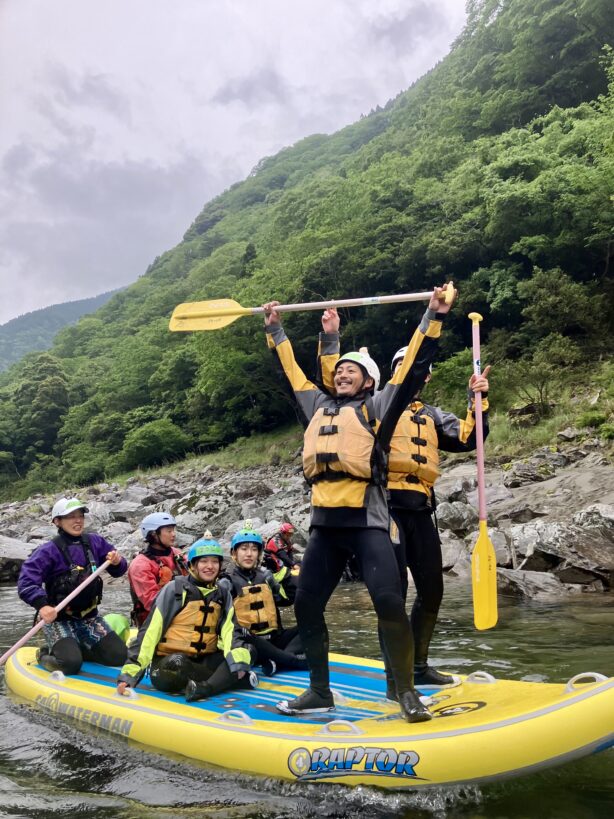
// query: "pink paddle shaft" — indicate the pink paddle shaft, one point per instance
point(479, 429)
point(58, 608)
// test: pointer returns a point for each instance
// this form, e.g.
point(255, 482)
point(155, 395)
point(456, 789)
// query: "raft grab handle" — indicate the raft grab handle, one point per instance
point(235, 715)
point(339, 726)
point(480, 677)
point(586, 677)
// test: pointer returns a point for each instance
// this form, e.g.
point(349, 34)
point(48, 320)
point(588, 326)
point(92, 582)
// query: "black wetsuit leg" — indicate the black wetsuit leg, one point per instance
point(283, 658)
point(172, 673)
point(67, 656)
point(111, 650)
point(380, 571)
point(288, 639)
point(321, 570)
point(421, 547)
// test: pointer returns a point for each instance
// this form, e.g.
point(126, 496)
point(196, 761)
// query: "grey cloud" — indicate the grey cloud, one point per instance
point(404, 30)
point(101, 224)
point(87, 90)
point(259, 87)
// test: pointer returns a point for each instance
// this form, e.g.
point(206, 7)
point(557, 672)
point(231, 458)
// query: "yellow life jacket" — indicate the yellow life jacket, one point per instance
point(414, 451)
point(255, 609)
point(338, 445)
point(193, 631)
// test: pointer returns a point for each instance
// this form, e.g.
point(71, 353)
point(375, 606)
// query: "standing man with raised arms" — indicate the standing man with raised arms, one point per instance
point(413, 468)
point(344, 460)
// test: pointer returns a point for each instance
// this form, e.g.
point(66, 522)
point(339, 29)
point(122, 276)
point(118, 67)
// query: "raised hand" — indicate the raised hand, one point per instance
point(330, 320)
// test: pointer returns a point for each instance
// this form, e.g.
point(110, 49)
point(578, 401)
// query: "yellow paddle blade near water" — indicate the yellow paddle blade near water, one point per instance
point(207, 315)
point(484, 580)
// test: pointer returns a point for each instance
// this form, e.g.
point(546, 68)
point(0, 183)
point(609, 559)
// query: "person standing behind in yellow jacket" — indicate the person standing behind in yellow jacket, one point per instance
point(413, 468)
point(344, 460)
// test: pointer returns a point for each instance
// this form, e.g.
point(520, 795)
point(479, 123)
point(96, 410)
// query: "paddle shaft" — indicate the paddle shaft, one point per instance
point(307, 305)
point(58, 608)
point(479, 425)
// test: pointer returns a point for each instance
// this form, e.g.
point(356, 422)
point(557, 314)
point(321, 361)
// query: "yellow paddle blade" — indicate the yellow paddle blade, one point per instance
point(484, 580)
point(206, 315)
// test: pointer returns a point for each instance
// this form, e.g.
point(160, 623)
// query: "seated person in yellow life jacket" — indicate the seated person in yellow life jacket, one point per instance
point(344, 459)
point(52, 572)
point(258, 594)
point(413, 468)
point(191, 638)
point(158, 563)
point(279, 550)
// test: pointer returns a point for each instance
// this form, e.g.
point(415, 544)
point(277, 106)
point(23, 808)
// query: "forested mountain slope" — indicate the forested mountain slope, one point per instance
point(36, 330)
point(496, 169)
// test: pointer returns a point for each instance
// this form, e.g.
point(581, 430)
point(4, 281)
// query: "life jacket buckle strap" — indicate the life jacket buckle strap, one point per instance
point(330, 429)
point(331, 411)
point(420, 459)
point(327, 457)
point(419, 441)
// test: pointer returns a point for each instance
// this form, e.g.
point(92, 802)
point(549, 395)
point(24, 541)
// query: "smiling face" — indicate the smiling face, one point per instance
point(350, 379)
point(246, 555)
point(72, 524)
point(206, 569)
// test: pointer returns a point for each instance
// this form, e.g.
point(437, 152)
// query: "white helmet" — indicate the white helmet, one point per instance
point(363, 358)
point(399, 356)
point(65, 506)
point(155, 521)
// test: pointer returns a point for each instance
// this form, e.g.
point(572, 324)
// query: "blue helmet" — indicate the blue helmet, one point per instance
point(155, 521)
point(246, 536)
point(205, 547)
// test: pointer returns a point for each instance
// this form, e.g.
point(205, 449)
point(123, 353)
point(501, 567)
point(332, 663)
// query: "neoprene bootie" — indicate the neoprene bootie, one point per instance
point(309, 702)
point(429, 677)
point(411, 707)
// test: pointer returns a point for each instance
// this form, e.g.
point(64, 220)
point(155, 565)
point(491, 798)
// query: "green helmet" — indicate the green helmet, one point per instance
point(205, 547)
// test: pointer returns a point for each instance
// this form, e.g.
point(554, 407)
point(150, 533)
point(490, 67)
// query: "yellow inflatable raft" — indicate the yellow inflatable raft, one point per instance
point(483, 729)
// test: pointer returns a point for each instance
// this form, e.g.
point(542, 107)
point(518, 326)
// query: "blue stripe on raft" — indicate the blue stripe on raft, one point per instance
point(241, 699)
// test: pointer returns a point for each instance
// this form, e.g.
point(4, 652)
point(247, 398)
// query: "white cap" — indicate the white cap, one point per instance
point(65, 506)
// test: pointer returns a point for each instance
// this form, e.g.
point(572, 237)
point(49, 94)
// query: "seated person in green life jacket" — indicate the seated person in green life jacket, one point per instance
point(258, 594)
point(191, 637)
point(52, 572)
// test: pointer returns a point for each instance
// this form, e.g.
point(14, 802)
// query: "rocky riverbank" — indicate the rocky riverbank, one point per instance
point(551, 516)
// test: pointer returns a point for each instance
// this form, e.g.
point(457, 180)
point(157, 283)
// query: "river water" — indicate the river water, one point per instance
point(50, 769)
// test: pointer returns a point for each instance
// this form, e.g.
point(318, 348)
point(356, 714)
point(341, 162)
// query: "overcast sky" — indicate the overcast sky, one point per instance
point(121, 118)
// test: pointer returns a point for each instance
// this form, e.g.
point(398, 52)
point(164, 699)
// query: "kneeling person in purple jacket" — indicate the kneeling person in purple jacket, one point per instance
point(51, 573)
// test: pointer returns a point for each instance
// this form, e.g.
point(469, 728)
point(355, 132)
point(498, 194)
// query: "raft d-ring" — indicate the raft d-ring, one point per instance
point(340, 726)
point(340, 699)
point(57, 676)
point(129, 694)
point(584, 678)
point(480, 677)
point(235, 715)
